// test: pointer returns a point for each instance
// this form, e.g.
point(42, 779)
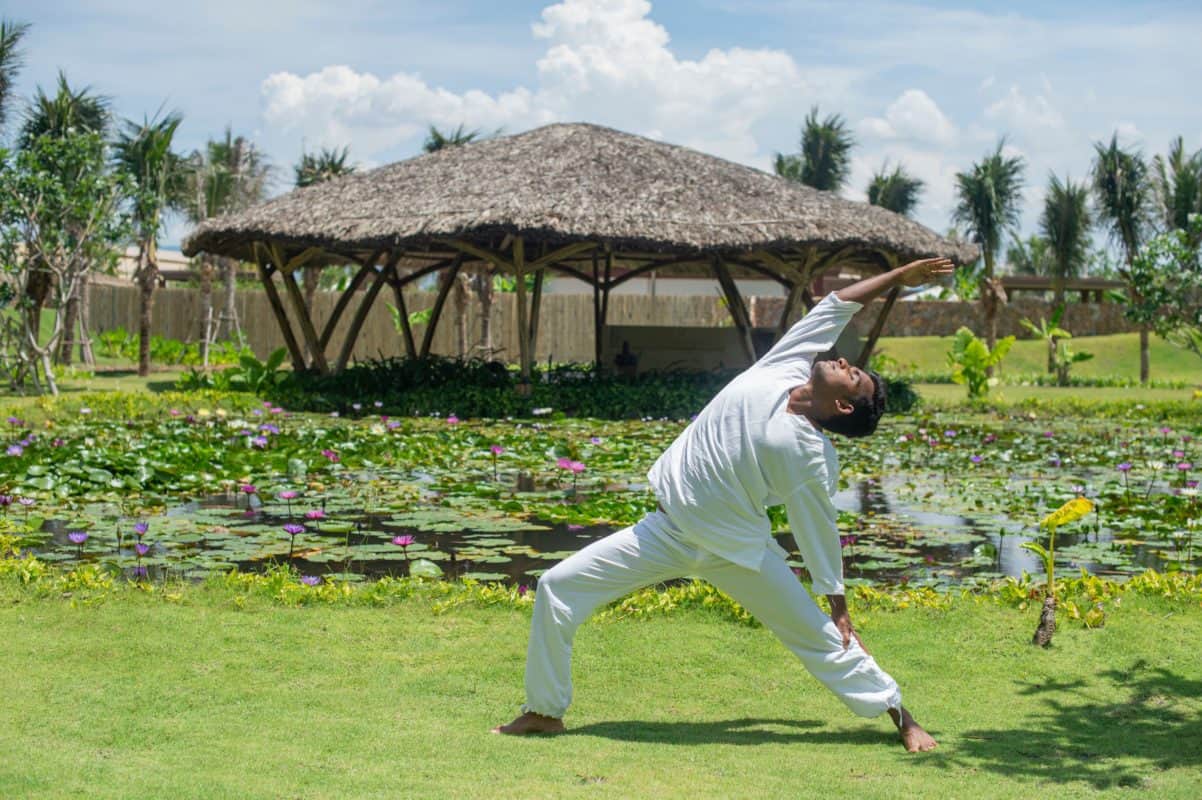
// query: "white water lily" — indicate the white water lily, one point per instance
point(377, 429)
point(1156, 466)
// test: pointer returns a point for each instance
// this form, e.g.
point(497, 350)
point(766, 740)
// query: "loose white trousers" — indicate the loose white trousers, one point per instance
point(649, 552)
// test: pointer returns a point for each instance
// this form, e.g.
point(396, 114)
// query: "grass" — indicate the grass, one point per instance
point(944, 394)
point(1114, 356)
point(210, 698)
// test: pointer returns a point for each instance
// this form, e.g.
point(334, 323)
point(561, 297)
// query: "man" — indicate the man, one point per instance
point(759, 442)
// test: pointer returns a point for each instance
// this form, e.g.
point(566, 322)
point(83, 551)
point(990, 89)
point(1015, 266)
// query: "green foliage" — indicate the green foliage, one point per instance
point(12, 59)
point(971, 359)
point(1177, 180)
point(1122, 193)
point(249, 374)
point(987, 200)
point(119, 343)
point(1168, 272)
point(1057, 339)
point(325, 165)
point(1065, 224)
point(825, 158)
point(897, 191)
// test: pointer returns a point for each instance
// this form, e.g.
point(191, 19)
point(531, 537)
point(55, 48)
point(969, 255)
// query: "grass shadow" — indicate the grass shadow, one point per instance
point(745, 731)
point(1079, 737)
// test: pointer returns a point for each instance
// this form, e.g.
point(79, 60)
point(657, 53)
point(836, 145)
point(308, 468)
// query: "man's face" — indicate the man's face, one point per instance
point(838, 384)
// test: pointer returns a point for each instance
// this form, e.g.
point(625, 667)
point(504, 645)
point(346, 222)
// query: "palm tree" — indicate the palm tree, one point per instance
point(1123, 196)
point(143, 152)
point(897, 190)
point(1065, 224)
point(1028, 256)
point(1178, 185)
point(62, 114)
point(227, 175)
point(327, 164)
point(12, 59)
point(825, 158)
point(987, 205)
point(437, 140)
point(480, 279)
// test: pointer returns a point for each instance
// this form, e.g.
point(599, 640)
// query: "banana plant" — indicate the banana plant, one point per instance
point(1071, 511)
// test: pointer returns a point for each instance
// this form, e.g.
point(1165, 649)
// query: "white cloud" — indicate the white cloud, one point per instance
point(913, 115)
point(606, 61)
point(1019, 112)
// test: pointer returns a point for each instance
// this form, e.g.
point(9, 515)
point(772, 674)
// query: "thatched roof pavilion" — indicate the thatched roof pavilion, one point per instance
point(592, 202)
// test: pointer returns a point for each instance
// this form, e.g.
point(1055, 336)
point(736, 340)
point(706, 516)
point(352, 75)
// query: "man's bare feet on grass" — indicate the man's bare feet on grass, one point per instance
point(531, 723)
point(913, 736)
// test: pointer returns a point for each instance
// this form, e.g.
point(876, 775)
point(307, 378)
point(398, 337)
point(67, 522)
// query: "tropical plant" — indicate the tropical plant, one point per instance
point(1065, 224)
point(1060, 357)
point(987, 205)
point(313, 168)
point(1177, 184)
point(1168, 271)
point(12, 59)
point(437, 140)
point(143, 152)
point(59, 215)
point(1028, 256)
point(897, 190)
point(1122, 195)
point(972, 361)
point(1071, 511)
point(226, 175)
point(825, 158)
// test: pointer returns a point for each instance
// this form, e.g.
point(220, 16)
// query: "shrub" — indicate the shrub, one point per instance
point(971, 361)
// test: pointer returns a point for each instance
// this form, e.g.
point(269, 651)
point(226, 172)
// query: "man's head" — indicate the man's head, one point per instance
point(847, 400)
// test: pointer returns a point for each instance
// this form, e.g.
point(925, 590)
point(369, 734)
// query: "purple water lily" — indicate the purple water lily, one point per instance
point(310, 580)
point(140, 528)
point(292, 529)
point(142, 548)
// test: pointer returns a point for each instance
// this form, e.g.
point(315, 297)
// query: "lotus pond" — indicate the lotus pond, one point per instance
point(194, 489)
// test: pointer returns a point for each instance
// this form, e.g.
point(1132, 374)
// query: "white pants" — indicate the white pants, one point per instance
point(649, 552)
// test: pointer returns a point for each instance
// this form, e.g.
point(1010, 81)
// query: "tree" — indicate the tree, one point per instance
point(59, 215)
point(897, 190)
point(1065, 224)
point(1177, 184)
point(1123, 195)
point(227, 175)
point(987, 205)
point(143, 152)
point(479, 279)
point(66, 113)
point(437, 140)
point(325, 165)
point(1168, 270)
point(825, 158)
point(1028, 256)
point(12, 59)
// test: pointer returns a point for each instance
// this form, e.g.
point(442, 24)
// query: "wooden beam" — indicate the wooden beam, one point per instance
point(301, 308)
point(519, 271)
point(494, 257)
point(790, 303)
point(644, 268)
point(738, 311)
point(535, 306)
point(398, 294)
point(444, 289)
point(345, 299)
point(369, 297)
point(277, 307)
point(405, 280)
point(877, 327)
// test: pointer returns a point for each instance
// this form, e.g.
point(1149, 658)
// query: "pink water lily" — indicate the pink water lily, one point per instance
point(403, 541)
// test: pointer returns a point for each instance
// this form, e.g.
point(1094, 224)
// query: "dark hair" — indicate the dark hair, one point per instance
point(865, 415)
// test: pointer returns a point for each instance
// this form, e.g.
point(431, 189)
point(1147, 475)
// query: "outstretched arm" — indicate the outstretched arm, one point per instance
point(915, 273)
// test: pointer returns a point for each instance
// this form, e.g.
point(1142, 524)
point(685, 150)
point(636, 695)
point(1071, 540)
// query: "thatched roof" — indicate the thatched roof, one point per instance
point(569, 182)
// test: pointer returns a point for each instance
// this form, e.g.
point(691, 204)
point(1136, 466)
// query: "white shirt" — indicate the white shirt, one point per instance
point(745, 451)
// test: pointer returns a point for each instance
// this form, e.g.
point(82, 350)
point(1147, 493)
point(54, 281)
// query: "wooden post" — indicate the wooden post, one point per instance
point(298, 304)
point(535, 305)
point(369, 297)
point(519, 268)
point(444, 288)
point(877, 327)
point(345, 299)
point(281, 317)
point(597, 318)
point(738, 311)
point(790, 303)
point(398, 294)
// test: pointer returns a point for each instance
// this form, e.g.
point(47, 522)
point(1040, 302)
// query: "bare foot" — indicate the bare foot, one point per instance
point(531, 723)
point(913, 736)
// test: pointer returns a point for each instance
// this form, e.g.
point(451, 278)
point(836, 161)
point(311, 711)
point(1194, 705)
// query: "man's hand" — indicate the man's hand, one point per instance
point(842, 620)
point(916, 273)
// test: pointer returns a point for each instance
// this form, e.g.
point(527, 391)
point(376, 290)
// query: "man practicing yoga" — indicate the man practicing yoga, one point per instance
point(759, 442)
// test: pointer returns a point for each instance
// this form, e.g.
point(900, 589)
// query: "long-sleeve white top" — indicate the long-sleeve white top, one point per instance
point(745, 452)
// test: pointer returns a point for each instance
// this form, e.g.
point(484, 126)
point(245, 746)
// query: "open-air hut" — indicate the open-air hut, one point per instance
point(584, 200)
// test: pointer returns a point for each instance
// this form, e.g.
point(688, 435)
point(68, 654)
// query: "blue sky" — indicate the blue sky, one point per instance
point(932, 85)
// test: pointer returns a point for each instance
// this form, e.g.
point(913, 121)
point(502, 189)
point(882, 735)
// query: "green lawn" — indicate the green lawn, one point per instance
point(944, 394)
point(137, 698)
point(1114, 356)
